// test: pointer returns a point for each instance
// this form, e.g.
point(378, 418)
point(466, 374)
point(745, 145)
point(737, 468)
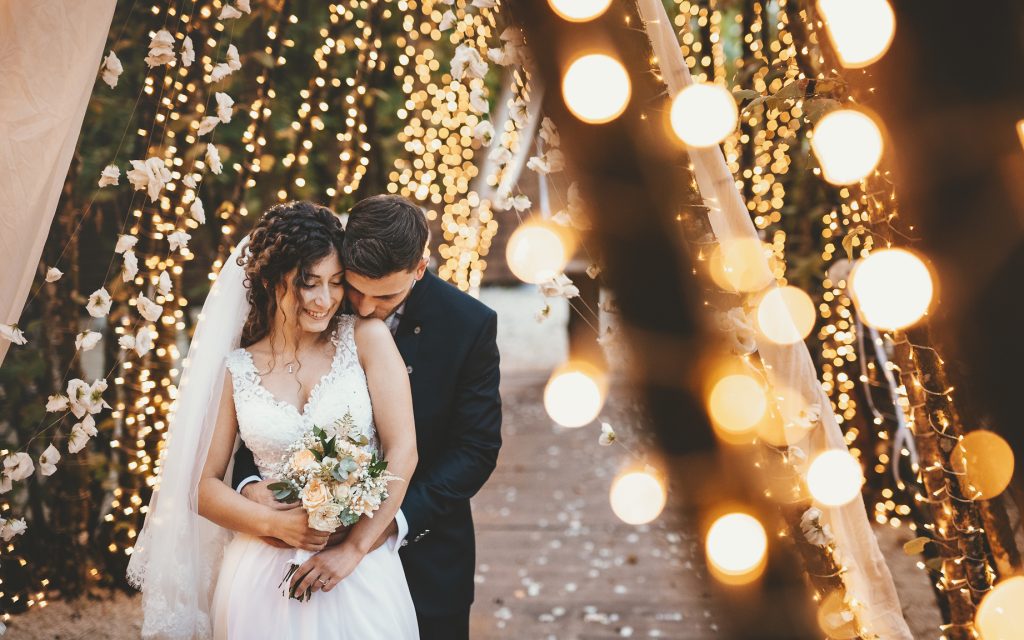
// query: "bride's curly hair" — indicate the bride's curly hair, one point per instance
point(293, 235)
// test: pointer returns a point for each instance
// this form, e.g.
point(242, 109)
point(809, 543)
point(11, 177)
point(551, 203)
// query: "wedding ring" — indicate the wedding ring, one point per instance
point(322, 581)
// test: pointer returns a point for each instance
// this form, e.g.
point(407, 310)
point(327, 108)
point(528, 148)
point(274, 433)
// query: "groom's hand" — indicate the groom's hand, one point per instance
point(258, 492)
point(392, 530)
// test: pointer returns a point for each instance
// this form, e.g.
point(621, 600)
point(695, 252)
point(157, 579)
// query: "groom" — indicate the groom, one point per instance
point(447, 339)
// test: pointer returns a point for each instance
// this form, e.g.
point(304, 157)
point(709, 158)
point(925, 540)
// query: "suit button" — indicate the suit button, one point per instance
point(416, 330)
point(405, 543)
point(409, 369)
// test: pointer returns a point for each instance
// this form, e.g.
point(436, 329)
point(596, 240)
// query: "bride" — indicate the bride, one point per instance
point(270, 358)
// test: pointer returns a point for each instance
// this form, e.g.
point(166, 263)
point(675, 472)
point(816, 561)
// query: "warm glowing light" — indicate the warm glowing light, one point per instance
point(861, 30)
point(579, 10)
point(986, 462)
point(703, 115)
point(786, 315)
point(741, 265)
point(835, 618)
point(536, 252)
point(797, 418)
point(736, 547)
point(1000, 615)
point(835, 478)
point(736, 404)
point(892, 288)
point(848, 145)
point(637, 497)
point(574, 394)
point(1020, 131)
point(596, 88)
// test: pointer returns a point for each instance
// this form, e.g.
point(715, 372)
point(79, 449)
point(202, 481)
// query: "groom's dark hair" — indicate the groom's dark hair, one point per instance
point(384, 234)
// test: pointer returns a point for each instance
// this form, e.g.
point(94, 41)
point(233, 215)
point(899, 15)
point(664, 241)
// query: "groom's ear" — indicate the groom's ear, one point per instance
point(421, 268)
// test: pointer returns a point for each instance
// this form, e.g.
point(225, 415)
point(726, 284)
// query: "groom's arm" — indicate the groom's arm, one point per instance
point(245, 469)
point(469, 455)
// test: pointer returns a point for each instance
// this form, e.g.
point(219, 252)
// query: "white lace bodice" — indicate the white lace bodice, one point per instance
point(268, 425)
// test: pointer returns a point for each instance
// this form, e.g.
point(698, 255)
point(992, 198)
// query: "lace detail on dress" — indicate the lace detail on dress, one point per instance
point(269, 425)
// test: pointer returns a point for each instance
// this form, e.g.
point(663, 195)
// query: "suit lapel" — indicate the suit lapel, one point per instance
point(409, 328)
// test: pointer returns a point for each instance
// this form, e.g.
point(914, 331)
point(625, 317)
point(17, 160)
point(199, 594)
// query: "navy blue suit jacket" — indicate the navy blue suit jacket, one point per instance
point(448, 341)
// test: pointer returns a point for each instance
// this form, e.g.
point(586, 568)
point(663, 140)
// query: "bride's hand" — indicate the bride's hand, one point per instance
point(292, 528)
point(258, 492)
point(326, 569)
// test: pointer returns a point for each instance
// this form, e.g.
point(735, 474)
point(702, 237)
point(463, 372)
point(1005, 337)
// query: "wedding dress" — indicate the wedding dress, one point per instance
point(372, 602)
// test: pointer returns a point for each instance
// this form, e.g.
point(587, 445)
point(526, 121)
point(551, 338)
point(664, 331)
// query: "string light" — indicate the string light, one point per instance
point(834, 478)
point(860, 30)
point(848, 145)
point(537, 251)
point(892, 288)
point(785, 315)
point(579, 10)
point(703, 115)
point(985, 460)
point(575, 394)
point(596, 88)
point(638, 497)
point(737, 548)
point(1000, 615)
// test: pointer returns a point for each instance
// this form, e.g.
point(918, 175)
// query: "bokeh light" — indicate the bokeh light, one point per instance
point(596, 88)
point(797, 418)
point(986, 461)
point(575, 394)
point(737, 403)
point(737, 548)
point(835, 478)
point(637, 497)
point(1001, 612)
point(703, 115)
point(536, 252)
point(861, 30)
point(836, 619)
point(741, 265)
point(785, 315)
point(892, 288)
point(579, 10)
point(848, 145)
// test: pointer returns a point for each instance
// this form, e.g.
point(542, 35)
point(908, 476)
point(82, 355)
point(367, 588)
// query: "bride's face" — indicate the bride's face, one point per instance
point(316, 298)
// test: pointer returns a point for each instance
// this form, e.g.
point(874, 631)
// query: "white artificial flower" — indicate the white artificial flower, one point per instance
point(221, 71)
point(559, 287)
point(163, 284)
point(86, 340)
point(78, 438)
point(484, 132)
point(148, 309)
point(500, 155)
point(484, 4)
point(197, 212)
point(549, 133)
point(48, 461)
point(188, 52)
point(150, 174)
point(53, 274)
point(593, 271)
point(478, 100)
point(112, 70)
point(213, 159)
point(447, 21)
point(543, 314)
point(467, 63)
point(805, 418)
point(99, 302)
point(521, 203)
point(124, 243)
point(513, 34)
point(110, 175)
point(229, 13)
point(497, 56)
point(224, 106)
point(502, 200)
point(224, 69)
point(796, 456)
point(131, 266)
point(815, 533)
point(243, 6)
point(207, 124)
point(19, 466)
point(179, 241)
point(189, 181)
point(56, 403)
point(519, 111)
point(96, 402)
point(13, 528)
point(739, 330)
point(161, 49)
point(144, 340)
point(12, 333)
point(126, 342)
point(607, 435)
point(78, 396)
point(551, 162)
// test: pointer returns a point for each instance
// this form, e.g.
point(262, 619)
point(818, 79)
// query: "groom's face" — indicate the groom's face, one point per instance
point(379, 297)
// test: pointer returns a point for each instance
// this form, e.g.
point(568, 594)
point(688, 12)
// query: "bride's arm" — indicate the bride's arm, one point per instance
point(223, 505)
point(388, 382)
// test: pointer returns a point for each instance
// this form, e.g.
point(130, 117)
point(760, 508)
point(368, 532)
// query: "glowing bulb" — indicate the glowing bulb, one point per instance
point(736, 404)
point(574, 394)
point(835, 619)
point(835, 478)
point(796, 418)
point(637, 497)
point(986, 461)
point(737, 547)
point(892, 288)
point(1000, 615)
point(536, 252)
point(861, 30)
point(703, 115)
point(579, 10)
point(786, 315)
point(596, 88)
point(848, 145)
point(740, 265)
point(1020, 131)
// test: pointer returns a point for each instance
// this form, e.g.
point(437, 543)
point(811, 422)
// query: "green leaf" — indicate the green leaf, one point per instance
point(348, 464)
point(916, 546)
point(339, 474)
point(330, 447)
point(359, 440)
point(745, 94)
point(935, 564)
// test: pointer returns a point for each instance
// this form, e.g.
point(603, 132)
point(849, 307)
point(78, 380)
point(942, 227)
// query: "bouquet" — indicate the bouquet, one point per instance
point(338, 477)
